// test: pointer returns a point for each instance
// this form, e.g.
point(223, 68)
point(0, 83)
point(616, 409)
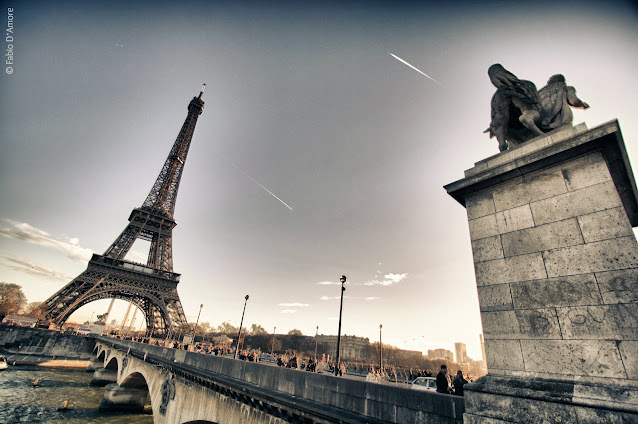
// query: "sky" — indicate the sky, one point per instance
point(318, 154)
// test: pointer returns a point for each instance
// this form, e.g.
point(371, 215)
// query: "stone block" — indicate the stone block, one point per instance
point(538, 324)
point(509, 270)
point(564, 358)
point(628, 349)
point(606, 255)
point(535, 187)
point(503, 355)
point(587, 200)
point(521, 324)
point(585, 171)
point(514, 219)
point(618, 286)
point(619, 321)
point(479, 204)
point(513, 405)
point(487, 248)
point(603, 225)
point(483, 227)
point(495, 298)
point(563, 291)
point(544, 237)
point(621, 393)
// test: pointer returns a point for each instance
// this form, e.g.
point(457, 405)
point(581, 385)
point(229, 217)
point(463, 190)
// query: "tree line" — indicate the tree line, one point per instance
point(13, 301)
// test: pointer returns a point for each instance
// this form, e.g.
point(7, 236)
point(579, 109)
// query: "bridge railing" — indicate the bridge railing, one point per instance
point(378, 402)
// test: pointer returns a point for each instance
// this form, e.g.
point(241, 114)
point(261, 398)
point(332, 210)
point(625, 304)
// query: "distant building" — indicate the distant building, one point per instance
point(223, 342)
point(352, 348)
point(440, 354)
point(461, 352)
point(415, 355)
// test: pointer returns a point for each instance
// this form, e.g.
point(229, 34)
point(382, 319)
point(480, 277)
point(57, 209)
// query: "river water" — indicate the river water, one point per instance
point(22, 403)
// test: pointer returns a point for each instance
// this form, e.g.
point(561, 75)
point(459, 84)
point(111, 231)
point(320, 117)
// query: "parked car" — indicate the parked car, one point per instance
point(424, 383)
point(267, 357)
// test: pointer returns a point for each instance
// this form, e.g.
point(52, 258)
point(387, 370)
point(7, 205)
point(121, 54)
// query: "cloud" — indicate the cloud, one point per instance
point(348, 297)
point(289, 311)
point(330, 297)
point(23, 265)
point(294, 305)
point(328, 283)
point(388, 280)
point(395, 278)
point(25, 232)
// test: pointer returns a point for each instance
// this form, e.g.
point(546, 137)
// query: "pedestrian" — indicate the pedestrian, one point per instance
point(442, 385)
point(458, 383)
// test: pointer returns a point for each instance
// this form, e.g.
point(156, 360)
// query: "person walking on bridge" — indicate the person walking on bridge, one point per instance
point(442, 385)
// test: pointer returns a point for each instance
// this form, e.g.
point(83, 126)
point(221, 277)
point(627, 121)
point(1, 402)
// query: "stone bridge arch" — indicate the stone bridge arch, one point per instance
point(101, 355)
point(133, 382)
point(113, 364)
point(173, 400)
point(106, 366)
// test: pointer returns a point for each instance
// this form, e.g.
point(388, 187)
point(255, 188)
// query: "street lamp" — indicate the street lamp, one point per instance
point(240, 324)
point(197, 322)
point(380, 349)
point(272, 349)
point(316, 344)
point(343, 280)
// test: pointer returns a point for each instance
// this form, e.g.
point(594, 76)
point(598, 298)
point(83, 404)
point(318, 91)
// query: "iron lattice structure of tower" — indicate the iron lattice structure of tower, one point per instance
point(152, 287)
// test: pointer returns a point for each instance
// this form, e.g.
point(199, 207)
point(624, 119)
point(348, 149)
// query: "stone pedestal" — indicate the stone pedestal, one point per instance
point(102, 377)
point(94, 364)
point(556, 264)
point(124, 399)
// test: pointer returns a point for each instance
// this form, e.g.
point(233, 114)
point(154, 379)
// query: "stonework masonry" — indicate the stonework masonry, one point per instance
point(556, 264)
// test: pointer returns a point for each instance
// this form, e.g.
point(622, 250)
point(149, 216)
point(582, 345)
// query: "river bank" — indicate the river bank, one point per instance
point(18, 359)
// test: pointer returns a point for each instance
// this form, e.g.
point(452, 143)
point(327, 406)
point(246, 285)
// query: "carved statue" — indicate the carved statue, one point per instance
point(520, 112)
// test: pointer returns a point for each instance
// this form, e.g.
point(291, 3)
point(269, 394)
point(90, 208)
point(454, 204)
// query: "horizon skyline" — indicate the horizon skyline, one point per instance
point(318, 154)
point(213, 330)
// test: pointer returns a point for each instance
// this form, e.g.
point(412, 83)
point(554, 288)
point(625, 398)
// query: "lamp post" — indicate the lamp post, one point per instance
point(317, 333)
point(380, 349)
point(197, 322)
point(272, 348)
point(240, 324)
point(343, 280)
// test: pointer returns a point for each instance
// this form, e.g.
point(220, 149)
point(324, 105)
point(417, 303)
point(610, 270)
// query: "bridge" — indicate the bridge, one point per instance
point(190, 387)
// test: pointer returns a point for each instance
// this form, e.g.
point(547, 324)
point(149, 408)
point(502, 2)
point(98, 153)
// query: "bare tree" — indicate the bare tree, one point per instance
point(226, 328)
point(257, 329)
point(33, 310)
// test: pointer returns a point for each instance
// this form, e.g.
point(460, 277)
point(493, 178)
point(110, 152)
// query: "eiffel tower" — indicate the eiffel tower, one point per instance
point(152, 287)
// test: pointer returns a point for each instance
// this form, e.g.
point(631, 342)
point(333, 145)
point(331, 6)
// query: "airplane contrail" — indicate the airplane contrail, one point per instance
point(257, 182)
point(414, 67)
